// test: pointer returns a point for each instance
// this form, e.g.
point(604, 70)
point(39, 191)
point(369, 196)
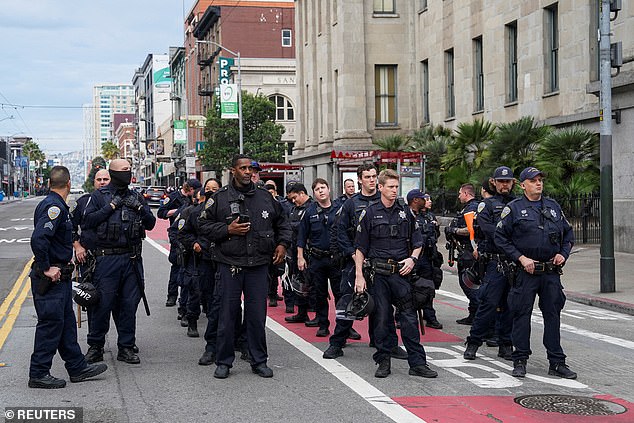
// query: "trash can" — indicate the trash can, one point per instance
point(1, 195)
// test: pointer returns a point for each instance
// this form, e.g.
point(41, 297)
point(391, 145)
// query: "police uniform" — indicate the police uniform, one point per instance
point(56, 330)
point(242, 264)
point(345, 226)
point(466, 259)
point(425, 266)
point(117, 235)
point(538, 230)
point(495, 285)
point(314, 237)
point(388, 235)
point(174, 201)
point(291, 298)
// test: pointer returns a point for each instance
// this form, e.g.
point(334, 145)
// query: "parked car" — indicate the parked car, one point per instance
point(154, 195)
point(73, 190)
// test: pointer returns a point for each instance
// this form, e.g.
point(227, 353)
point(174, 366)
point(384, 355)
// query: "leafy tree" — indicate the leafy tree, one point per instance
point(110, 150)
point(515, 144)
point(98, 163)
point(397, 142)
point(570, 159)
point(262, 136)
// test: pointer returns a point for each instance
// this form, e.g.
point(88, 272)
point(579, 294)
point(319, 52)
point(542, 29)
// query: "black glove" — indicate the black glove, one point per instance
point(450, 230)
point(133, 202)
point(117, 201)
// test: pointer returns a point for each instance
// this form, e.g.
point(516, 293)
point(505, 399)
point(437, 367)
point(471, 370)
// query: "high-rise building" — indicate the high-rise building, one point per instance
point(108, 99)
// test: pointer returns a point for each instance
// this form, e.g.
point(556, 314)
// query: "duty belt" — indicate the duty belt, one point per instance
point(385, 267)
point(319, 253)
point(65, 269)
point(133, 251)
point(496, 257)
point(547, 267)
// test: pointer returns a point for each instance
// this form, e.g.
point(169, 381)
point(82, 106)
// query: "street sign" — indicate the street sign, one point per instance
point(225, 64)
point(229, 101)
point(180, 132)
point(200, 145)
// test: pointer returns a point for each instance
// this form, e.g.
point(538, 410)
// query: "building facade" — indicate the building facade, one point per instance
point(371, 68)
point(108, 99)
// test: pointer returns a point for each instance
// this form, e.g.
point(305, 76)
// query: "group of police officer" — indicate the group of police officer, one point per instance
point(368, 247)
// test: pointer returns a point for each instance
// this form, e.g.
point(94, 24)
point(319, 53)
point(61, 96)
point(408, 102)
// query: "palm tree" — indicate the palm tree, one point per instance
point(469, 149)
point(433, 141)
point(397, 142)
point(570, 159)
point(515, 144)
point(110, 150)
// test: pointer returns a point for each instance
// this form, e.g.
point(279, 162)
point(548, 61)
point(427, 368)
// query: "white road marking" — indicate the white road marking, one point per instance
point(565, 327)
point(157, 246)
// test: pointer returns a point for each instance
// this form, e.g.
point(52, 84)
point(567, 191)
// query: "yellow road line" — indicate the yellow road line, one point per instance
point(6, 327)
point(16, 288)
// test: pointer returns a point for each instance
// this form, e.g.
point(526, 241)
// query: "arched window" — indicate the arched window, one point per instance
point(283, 108)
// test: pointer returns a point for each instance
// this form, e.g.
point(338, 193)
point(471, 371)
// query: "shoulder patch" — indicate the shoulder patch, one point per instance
point(165, 200)
point(181, 223)
point(361, 216)
point(481, 206)
point(53, 212)
point(209, 203)
point(505, 212)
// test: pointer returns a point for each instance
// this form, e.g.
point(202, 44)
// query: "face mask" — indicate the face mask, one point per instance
point(120, 178)
point(208, 194)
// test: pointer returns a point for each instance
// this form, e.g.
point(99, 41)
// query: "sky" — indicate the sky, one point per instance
point(52, 52)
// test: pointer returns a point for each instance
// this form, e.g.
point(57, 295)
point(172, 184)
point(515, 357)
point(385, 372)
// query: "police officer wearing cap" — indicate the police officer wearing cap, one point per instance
point(495, 285)
point(389, 237)
point(169, 209)
point(51, 243)
point(115, 220)
point(314, 255)
point(458, 229)
point(428, 226)
point(535, 234)
point(249, 230)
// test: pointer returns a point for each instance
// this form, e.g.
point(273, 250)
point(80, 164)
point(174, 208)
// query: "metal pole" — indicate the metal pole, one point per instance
point(240, 105)
point(607, 218)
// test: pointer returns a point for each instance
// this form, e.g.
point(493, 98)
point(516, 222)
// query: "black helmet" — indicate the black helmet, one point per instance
point(86, 294)
point(296, 282)
point(361, 305)
point(471, 278)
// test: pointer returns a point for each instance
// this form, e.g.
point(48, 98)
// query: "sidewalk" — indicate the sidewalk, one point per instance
point(582, 278)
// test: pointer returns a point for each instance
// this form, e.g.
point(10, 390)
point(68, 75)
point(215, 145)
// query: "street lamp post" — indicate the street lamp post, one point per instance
point(237, 54)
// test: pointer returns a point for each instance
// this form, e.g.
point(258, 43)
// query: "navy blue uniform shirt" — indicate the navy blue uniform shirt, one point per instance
point(174, 201)
point(488, 215)
point(348, 220)
point(52, 238)
point(536, 229)
point(388, 232)
point(314, 228)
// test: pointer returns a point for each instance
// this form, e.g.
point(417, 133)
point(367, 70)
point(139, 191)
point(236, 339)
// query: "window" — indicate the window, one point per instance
point(511, 62)
point(422, 5)
point(450, 96)
point(425, 86)
point(385, 94)
point(478, 75)
point(287, 40)
point(384, 6)
point(551, 50)
point(283, 108)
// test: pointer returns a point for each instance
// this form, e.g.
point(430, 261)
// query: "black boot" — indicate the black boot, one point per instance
point(94, 354)
point(384, 369)
point(505, 352)
point(466, 320)
point(470, 352)
point(192, 328)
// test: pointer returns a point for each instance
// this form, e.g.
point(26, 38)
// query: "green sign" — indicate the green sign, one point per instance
point(225, 64)
point(200, 145)
point(180, 132)
point(229, 101)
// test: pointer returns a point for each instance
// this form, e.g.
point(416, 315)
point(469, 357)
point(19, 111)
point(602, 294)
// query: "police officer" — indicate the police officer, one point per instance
point(313, 241)
point(51, 243)
point(535, 234)
point(388, 236)
point(168, 209)
point(102, 178)
point(458, 229)
point(495, 284)
point(344, 230)
point(429, 228)
point(249, 230)
point(116, 219)
point(298, 195)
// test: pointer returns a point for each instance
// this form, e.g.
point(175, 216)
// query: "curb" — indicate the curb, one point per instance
point(600, 302)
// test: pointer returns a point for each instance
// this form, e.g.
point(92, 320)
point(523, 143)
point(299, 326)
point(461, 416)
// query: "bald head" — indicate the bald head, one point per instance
point(102, 178)
point(119, 164)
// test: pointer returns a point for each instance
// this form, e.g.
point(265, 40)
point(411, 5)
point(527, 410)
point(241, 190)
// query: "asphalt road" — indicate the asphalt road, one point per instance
point(169, 385)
